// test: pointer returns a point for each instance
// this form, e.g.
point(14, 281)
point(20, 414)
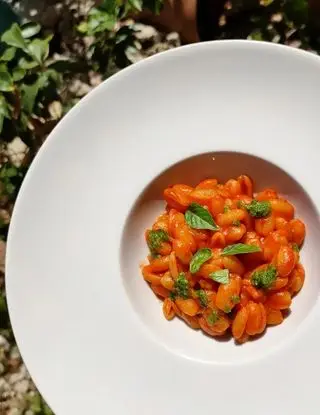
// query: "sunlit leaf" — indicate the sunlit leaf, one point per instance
point(13, 37)
point(8, 54)
point(6, 82)
point(30, 29)
point(18, 74)
point(29, 95)
point(82, 27)
point(4, 110)
point(39, 49)
point(27, 64)
point(136, 4)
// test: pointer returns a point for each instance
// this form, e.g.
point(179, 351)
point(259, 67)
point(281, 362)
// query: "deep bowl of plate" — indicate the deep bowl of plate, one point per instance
point(90, 331)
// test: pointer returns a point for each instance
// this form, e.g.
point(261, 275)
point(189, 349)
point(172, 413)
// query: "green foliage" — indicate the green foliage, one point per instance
point(28, 84)
point(278, 21)
point(113, 41)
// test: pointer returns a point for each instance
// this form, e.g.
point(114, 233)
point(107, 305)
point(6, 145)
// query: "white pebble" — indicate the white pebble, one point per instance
point(22, 386)
point(15, 377)
point(15, 411)
point(4, 343)
point(145, 32)
point(14, 353)
point(4, 386)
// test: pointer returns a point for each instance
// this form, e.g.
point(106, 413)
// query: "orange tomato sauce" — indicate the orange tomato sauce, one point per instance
point(239, 294)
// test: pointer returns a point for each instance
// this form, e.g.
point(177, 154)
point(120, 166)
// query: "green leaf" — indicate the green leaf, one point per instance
point(181, 286)
point(155, 239)
point(198, 217)
point(4, 109)
point(39, 49)
point(29, 95)
point(10, 188)
point(202, 297)
point(256, 35)
point(11, 172)
point(6, 82)
point(100, 21)
point(264, 278)
point(27, 64)
point(238, 249)
point(30, 29)
point(213, 317)
point(18, 74)
point(13, 37)
point(8, 54)
point(199, 258)
point(221, 276)
point(82, 27)
point(154, 5)
point(235, 299)
point(136, 4)
point(259, 209)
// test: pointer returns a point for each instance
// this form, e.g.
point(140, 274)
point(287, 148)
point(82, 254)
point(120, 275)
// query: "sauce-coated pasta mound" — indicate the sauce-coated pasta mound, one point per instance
point(223, 259)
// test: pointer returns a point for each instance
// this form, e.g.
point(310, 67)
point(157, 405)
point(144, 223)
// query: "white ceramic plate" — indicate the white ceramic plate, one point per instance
point(90, 330)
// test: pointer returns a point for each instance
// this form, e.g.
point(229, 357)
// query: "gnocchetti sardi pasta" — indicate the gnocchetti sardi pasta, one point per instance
point(224, 259)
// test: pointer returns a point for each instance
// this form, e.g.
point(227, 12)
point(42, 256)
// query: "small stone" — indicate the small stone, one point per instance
point(15, 411)
point(133, 55)
point(29, 412)
point(276, 18)
point(294, 43)
point(22, 386)
point(4, 343)
point(79, 88)
point(16, 151)
point(14, 353)
point(4, 386)
point(14, 364)
point(146, 33)
point(15, 377)
point(24, 371)
point(173, 39)
point(55, 110)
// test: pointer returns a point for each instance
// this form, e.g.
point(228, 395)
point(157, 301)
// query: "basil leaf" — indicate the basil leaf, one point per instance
point(155, 239)
point(264, 278)
point(198, 217)
point(181, 286)
point(213, 317)
point(221, 276)
point(202, 298)
point(238, 249)
point(199, 258)
point(259, 209)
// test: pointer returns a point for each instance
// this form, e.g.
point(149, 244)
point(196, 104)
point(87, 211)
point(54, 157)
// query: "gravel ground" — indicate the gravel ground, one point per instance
point(18, 394)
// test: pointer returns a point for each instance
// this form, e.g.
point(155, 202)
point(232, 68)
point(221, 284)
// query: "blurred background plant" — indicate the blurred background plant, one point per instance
point(54, 52)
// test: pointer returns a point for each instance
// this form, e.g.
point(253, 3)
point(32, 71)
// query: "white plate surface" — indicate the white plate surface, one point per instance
point(89, 329)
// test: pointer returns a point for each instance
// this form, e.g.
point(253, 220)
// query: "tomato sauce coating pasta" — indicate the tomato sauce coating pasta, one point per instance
point(224, 259)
